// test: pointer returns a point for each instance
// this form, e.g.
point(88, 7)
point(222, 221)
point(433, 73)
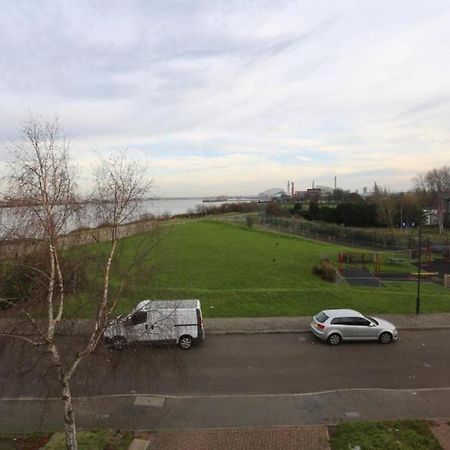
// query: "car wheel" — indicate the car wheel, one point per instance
point(185, 342)
point(385, 338)
point(334, 339)
point(119, 343)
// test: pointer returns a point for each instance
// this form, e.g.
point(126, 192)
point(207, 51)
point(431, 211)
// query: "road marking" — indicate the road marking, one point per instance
point(352, 415)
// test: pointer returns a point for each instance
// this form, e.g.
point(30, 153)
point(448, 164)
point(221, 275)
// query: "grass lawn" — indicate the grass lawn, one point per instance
point(392, 435)
point(243, 272)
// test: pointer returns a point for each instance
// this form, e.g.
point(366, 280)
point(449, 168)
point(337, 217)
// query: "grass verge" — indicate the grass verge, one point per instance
point(392, 435)
point(93, 440)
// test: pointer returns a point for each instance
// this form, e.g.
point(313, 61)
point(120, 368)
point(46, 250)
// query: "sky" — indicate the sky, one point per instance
point(235, 97)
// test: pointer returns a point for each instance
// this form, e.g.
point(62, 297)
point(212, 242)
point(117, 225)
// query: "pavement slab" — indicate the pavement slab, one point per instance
point(330, 407)
point(139, 444)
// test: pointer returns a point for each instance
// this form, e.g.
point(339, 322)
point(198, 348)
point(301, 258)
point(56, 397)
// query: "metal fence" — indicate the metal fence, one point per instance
point(362, 237)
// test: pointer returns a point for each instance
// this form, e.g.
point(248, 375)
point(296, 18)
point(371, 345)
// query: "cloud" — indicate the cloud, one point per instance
point(229, 96)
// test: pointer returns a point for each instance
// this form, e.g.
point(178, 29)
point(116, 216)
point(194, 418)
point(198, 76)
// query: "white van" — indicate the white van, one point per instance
point(178, 321)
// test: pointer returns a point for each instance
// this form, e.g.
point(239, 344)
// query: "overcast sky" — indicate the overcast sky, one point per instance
point(235, 97)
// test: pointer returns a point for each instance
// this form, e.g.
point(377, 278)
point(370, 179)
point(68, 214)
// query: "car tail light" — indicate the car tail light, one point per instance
point(321, 326)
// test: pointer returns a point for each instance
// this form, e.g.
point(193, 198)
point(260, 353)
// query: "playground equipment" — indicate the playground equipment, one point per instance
point(354, 259)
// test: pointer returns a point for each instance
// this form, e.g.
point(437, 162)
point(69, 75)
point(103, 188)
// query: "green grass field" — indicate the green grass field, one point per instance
point(244, 272)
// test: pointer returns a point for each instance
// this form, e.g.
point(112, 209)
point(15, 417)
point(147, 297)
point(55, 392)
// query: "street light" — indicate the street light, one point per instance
point(419, 262)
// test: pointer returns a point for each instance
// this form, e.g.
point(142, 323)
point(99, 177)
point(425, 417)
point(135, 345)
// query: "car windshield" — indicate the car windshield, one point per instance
point(321, 317)
point(371, 319)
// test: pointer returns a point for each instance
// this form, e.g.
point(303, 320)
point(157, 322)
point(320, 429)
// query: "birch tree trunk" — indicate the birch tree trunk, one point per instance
point(69, 417)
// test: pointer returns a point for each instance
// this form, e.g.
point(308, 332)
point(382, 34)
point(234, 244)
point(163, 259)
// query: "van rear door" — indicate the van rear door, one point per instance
point(200, 329)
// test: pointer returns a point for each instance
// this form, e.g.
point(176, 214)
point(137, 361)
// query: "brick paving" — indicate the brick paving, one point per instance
point(441, 431)
point(261, 438)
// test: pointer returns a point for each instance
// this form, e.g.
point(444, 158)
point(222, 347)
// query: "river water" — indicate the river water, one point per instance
point(173, 206)
point(155, 207)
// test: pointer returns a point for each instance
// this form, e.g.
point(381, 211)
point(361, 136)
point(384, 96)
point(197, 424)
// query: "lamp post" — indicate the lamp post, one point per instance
point(419, 263)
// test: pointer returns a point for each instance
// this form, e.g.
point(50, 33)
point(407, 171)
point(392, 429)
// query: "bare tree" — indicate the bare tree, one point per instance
point(386, 203)
point(42, 186)
point(121, 185)
point(433, 185)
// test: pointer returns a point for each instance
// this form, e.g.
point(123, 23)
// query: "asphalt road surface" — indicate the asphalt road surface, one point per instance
point(239, 364)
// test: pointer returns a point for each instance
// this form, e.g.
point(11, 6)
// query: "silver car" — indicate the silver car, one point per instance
point(336, 325)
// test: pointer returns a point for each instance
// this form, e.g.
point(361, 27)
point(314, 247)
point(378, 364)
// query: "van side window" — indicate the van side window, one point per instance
point(139, 317)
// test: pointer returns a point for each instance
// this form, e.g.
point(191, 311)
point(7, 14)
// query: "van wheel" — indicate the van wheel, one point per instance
point(185, 342)
point(119, 343)
point(334, 339)
point(385, 338)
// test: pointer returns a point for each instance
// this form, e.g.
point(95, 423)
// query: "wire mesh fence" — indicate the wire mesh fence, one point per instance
point(382, 239)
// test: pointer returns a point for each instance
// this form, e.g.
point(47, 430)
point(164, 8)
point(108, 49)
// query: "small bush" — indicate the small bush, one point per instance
point(273, 208)
point(325, 270)
point(25, 278)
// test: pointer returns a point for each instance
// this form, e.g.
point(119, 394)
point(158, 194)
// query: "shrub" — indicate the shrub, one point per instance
point(273, 208)
point(313, 210)
point(24, 278)
point(325, 270)
point(297, 209)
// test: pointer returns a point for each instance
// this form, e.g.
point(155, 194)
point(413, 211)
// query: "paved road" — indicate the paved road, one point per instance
point(245, 364)
point(235, 381)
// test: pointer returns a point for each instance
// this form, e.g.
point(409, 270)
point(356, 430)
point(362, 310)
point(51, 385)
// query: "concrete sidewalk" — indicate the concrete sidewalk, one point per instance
point(238, 325)
point(302, 324)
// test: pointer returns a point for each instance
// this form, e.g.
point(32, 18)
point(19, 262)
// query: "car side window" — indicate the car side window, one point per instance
point(343, 321)
point(348, 321)
point(139, 317)
point(360, 321)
